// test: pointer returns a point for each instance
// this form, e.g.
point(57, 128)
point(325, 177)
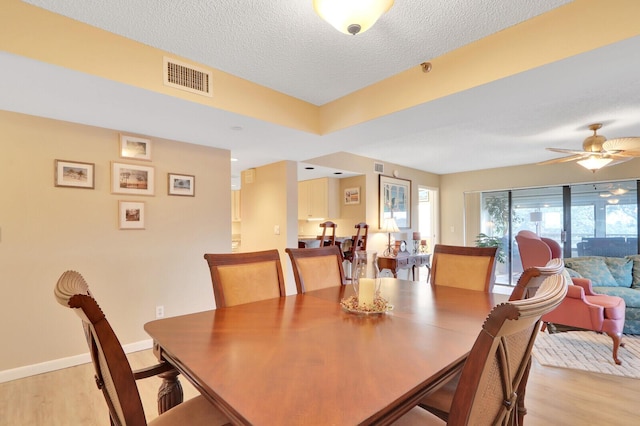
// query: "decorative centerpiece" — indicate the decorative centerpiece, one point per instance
point(366, 284)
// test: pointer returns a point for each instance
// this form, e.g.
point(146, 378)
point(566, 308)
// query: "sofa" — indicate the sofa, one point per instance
point(614, 276)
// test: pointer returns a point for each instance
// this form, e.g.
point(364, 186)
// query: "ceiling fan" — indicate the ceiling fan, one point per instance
point(598, 152)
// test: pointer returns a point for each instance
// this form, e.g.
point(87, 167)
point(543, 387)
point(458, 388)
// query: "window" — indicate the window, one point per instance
point(597, 219)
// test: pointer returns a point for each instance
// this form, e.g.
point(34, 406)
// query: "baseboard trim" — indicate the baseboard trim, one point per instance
point(58, 364)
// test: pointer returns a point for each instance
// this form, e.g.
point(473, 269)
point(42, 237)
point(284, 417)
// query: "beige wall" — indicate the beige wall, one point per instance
point(454, 186)
point(45, 230)
point(270, 200)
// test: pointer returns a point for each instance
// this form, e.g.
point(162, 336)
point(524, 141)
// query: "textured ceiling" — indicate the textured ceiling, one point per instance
point(285, 46)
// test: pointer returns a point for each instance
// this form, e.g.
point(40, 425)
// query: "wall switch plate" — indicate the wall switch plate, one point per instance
point(276, 229)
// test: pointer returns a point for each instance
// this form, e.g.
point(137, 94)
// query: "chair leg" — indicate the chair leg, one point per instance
point(617, 342)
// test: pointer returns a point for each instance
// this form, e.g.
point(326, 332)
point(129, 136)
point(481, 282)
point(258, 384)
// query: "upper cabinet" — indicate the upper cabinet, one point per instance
point(319, 198)
point(235, 206)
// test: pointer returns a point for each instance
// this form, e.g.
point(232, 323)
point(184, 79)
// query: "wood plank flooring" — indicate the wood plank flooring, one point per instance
point(555, 396)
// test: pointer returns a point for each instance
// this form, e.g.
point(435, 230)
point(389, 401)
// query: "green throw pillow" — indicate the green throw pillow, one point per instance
point(594, 268)
point(635, 283)
point(621, 269)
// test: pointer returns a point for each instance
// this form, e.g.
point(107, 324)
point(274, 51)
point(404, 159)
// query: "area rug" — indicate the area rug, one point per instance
point(588, 351)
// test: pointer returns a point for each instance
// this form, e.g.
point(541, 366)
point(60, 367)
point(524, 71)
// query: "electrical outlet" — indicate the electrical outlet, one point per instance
point(159, 311)
point(276, 229)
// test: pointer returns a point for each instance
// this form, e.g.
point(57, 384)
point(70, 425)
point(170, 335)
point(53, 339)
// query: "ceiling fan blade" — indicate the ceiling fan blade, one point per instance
point(570, 151)
point(619, 161)
point(563, 159)
point(623, 146)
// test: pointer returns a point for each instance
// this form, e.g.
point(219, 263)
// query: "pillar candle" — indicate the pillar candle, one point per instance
point(366, 290)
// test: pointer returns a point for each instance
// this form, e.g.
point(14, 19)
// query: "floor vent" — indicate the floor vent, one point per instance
point(378, 167)
point(187, 77)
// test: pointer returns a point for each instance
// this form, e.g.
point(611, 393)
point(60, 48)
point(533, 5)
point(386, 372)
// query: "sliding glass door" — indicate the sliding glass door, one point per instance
point(596, 219)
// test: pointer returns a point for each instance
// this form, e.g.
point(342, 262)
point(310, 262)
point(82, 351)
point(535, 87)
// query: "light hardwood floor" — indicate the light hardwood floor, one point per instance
point(555, 396)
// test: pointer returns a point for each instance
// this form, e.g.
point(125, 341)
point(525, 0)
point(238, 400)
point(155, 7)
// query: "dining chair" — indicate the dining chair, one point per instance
point(487, 392)
point(113, 371)
point(358, 242)
point(239, 278)
point(328, 240)
point(316, 268)
point(464, 267)
point(439, 400)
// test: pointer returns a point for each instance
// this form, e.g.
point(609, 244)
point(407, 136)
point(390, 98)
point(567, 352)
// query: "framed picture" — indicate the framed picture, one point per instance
point(352, 195)
point(132, 179)
point(74, 174)
point(182, 185)
point(131, 214)
point(134, 147)
point(395, 200)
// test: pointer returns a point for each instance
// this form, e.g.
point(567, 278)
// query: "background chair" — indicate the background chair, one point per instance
point(113, 372)
point(487, 393)
point(245, 277)
point(316, 268)
point(464, 267)
point(582, 308)
point(328, 240)
point(359, 241)
point(535, 250)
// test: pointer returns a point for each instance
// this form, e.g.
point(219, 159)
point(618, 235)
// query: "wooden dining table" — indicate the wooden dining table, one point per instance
point(304, 360)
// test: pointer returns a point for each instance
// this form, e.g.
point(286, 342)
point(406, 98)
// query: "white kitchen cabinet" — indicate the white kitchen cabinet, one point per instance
point(319, 198)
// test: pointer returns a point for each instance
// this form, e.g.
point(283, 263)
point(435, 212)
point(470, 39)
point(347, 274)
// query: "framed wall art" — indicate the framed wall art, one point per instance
point(395, 200)
point(184, 185)
point(135, 147)
point(132, 179)
point(74, 174)
point(352, 195)
point(131, 214)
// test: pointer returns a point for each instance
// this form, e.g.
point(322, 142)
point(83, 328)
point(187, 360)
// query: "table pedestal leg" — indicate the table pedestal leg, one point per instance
point(170, 392)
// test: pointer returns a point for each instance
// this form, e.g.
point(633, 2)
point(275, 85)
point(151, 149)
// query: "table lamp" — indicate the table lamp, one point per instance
point(389, 226)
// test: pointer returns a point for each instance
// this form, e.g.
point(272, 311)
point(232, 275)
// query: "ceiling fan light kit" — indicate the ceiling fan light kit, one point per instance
point(598, 152)
point(351, 17)
point(595, 162)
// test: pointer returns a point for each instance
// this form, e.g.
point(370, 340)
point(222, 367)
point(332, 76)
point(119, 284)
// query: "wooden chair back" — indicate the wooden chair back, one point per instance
point(316, 268)
point(464, 267)
point(532, 278)
point(328, 240)
point(359, 241)
point(113, 372)
point(239, 278)
point(500, 357)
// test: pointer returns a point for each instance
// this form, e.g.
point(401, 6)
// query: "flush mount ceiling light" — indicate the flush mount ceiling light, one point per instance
point(351, 17)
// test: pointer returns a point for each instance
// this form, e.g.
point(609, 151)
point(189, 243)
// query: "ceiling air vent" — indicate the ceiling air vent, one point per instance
point(378, 167)
point(187, 77)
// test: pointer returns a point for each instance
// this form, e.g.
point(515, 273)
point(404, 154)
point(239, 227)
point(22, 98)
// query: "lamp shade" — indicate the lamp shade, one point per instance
point(594, 162)
point(390, 225)
point(351, 17)
point(535, 216)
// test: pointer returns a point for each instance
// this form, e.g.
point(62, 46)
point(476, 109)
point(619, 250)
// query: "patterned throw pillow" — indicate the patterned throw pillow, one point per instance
point(635, 283)
point(594, 268)
point(620, 268)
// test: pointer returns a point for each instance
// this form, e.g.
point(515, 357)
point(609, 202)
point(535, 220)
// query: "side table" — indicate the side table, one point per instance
point(405, 261)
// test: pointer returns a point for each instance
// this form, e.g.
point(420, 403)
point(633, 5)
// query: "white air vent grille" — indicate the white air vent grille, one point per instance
point(378, 167)
point(187, 77)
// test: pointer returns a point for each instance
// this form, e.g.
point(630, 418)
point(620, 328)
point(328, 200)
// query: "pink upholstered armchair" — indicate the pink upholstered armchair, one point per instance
point(581, 308)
